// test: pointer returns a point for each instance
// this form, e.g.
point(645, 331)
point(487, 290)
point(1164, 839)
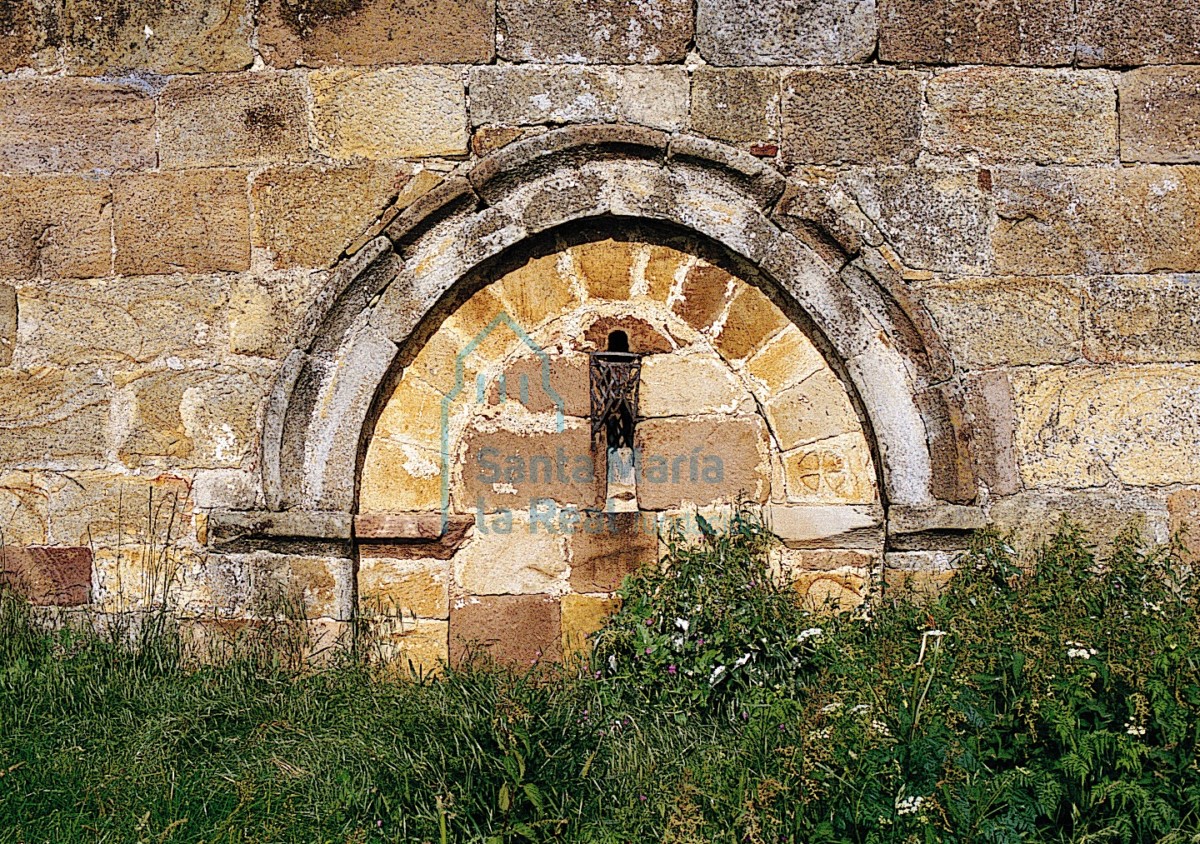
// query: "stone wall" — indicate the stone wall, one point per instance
point(189, 190)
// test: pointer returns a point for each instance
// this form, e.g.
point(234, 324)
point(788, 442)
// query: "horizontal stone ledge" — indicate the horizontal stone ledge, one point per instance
point(419, 527)
point(940, 527)
point(230, 526)
point(826, 526)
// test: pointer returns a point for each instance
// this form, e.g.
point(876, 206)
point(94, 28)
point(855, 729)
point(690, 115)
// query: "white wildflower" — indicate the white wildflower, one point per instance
point(909, 805)
point(716, 675)
point(881, 728)
point(683, 624)
point(832, 707)
point(742, 660)
point(860, 709)
point(612, 662)
point(810, 633)
point(1134, 730)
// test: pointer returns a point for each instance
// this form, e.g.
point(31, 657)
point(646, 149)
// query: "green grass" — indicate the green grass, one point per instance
point(813, 737)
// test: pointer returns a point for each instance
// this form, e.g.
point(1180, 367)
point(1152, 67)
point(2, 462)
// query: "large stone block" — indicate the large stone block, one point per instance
point(702, 461)
point(703, 296)
point(183, 221)
point(848, 116)
point(264, 312)
point(506, 469)
point(307, 215)
point(285, 585)
point(1007, 321)
point(1055, 221)
point(816, 409)
point(74, 124)
point(1034, 516)
point(737, 105)
point(398, 477)
point(1141, 319)
point(512, 557)
point(8, 323)
point(801, 32)
point(609, 547)
point(251, 118)
point(977, 31)
point(526, 96)
point(320, 32)
point(55, 226)
point(677, 385)
point(48, 576)
point(935, 220)
point(29, 34)
point(402, 112)
point(996, 114)
point(521, 630)
point(419, 648)
point(832, 471)
point(1184, 509)
point(203, 418)
point(1160, 115)
point(391, 586)
point(52, 416)
point(582, 616)
point(1086, 426)
point(128, 320)
point(1116, 33)
point(161, 36)
point(596, 31)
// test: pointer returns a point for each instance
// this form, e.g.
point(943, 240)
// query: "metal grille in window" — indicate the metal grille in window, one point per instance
point(615, 377)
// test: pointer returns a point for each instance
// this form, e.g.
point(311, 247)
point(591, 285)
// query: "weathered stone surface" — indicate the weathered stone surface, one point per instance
point(527, 560)
point(826, 526)
point(1119, 34)
point(1184, 509)
point(228, 526)
point(918, 575)
point(510, 470)
point(752, 321)
point(738, 105)
point(186, 418)
point(1101, 513)
point(529, 96)
point(1085, 426)
point(375, 32)
point(307, 215)
point(1160, 115)
point(605, 267)
point(521, 630)
point(840, 116)
point(182, 36)
point(703, 296)
point(281, 584)
point(526, 379)
point(29, 33)
point(1007, 321)
point(48, 576)
point(816, 409)
point(8, 323)
point(994, 114)
point(109, 511)
point(189, 221)
point(616, 545)
point(535, 292)
point(1142, 319)
point(410, 587)
point(936, 220)
point(400, 476)
point(412, 415)
point(264, 311)
point(413, 528)
point(974, 32)
point(832, 471)
point(227, 489)
point(677, 385)
point(55, 226)
point(51, 416)
point(595, 31)
point(128, 320)
point(74, 124)
point(803, 32)
point(991, 425)
point(420, 648)
point(251, 118)
point(1055, 221)
point(582, 616)
point(402, 112)
point(668, 447)
point(785, 361)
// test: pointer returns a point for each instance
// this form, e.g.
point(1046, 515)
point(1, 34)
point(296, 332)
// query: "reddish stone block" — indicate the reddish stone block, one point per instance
point(516, 629)
point(609, 546)
point(48, 576)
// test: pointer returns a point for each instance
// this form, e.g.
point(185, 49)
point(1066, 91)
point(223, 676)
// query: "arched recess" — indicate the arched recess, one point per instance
point(811, 249)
